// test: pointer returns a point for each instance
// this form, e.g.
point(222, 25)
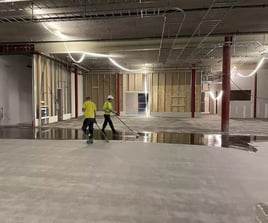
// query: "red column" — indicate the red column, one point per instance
point(255, 96)
point(193, 93)
point(76, 91)
point(118, 93)
point(226, 63)
point(216, 102)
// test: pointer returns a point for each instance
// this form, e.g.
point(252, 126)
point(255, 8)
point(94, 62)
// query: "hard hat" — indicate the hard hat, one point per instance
point(110, 97)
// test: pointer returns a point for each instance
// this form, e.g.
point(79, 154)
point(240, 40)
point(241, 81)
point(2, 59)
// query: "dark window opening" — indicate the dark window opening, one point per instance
point(240, 95)
point(142, 102)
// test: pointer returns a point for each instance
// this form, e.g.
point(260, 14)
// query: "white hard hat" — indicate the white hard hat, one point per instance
point(110, 97)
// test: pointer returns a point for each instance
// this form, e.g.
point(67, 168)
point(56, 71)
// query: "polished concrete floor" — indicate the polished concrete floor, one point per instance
point(134, 179)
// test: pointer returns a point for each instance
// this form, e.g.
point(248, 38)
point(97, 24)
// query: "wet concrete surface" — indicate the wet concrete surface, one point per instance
point(241, 142)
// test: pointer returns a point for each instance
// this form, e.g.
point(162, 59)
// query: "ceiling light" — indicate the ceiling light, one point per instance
point(123, 68)
point(234, 69)
point(215, 98)
point(64, 37)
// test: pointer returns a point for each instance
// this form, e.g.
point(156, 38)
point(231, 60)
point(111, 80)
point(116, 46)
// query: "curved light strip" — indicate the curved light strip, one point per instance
point(70, 55)
point(91, 54)
point(64, 37)
point(123, 68)
point(216, 98)
point(250, 74)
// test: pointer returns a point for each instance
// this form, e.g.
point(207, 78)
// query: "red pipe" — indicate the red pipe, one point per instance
point(255, 96)
point(118, 93)
point(76, 91)
point(193, 92)
point(17, 48)
point(226, 63)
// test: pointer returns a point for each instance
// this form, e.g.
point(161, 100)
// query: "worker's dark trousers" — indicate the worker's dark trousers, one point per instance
point(88, 123)
point(107, 119)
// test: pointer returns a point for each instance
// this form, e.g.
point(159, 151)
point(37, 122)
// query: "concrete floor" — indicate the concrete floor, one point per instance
point(67, 181)
point(204, 124)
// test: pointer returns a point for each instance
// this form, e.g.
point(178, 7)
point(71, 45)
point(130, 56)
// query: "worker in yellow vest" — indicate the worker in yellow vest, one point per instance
point(108, 109)
point(89, 109)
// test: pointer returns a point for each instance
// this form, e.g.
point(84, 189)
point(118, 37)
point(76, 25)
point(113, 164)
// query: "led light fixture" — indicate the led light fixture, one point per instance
point(216, 98)
point(234, 69)
point(84, 54)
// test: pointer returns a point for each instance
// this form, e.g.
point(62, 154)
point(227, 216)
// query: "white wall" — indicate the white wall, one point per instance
point(16, 89)
point(262, 93)
point(245, 109)
point(242, 109)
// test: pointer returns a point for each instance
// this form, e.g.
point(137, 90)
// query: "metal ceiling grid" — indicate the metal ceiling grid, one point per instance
point(210, 21)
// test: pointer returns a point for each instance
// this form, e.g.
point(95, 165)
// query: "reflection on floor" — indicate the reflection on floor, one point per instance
point(242, 142)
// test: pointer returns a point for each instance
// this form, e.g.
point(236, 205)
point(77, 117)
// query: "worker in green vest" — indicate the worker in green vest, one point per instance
point(108, 109)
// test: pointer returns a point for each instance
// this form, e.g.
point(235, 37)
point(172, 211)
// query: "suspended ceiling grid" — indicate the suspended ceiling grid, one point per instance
point(161, 34)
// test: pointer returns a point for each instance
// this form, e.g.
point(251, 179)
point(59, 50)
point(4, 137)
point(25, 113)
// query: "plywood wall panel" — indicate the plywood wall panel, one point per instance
point(155, 92)
point(168, 90)
point(139, 86)
point(174, 92)
point(106, 89)
point(161, 92)
point(121, 91)
point(113, 89)
point(131, 82)
point(101, 97)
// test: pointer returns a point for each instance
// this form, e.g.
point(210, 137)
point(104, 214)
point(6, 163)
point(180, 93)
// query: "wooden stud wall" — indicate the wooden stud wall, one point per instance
point(198, 92)
point(98, 86)
point(188, 77)
point(170, 91)
point(49, 76)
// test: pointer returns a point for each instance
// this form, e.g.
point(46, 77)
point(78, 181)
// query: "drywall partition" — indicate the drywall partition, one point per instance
point(245, 86)
point(15, 90)
point(52, 90)
point(242, 107)
point(262, 93)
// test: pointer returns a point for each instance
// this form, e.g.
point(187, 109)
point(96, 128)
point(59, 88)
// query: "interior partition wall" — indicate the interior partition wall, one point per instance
point(171, 93)
point(157, 93)
point(98, 85)
point(52, 91)
point(16, 90)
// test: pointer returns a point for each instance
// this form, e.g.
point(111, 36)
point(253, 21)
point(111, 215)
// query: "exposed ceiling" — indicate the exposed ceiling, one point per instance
point(159, 34)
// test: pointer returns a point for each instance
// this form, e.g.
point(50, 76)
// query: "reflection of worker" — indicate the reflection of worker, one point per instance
point(89, 109)
point(108, 109)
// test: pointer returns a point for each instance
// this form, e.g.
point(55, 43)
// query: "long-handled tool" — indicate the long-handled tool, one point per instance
point(105, 137)
point(137, 135)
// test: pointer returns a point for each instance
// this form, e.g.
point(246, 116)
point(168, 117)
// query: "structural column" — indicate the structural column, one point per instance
point(118, 93)
point(76, 91)
point(226, 63)
point(193, 92)
point(255, 97)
